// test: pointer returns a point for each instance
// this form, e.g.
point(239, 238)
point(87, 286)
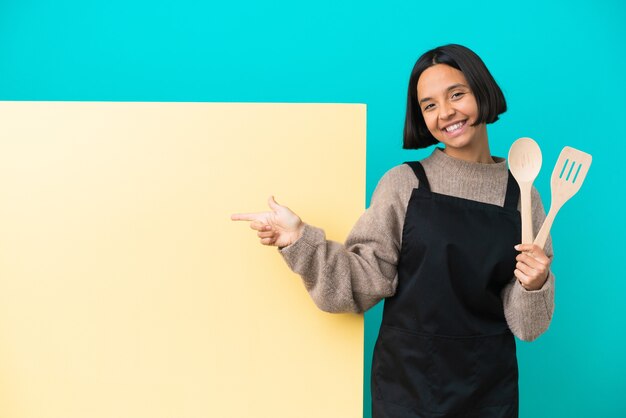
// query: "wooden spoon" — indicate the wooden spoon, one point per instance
point(568, 175)
point(525, 163)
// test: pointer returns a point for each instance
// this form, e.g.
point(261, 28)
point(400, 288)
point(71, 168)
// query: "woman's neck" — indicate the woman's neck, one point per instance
point(476, 151)
point(474, 156)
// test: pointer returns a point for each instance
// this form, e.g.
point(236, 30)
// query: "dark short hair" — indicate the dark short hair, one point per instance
point(489, 97)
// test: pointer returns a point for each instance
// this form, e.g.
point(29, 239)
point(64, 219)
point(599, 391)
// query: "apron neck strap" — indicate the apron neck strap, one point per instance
point(419, 173)
point(512, 188)
point(512, 193)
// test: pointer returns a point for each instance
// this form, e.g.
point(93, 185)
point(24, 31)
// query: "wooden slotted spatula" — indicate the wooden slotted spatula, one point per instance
point(568, 175)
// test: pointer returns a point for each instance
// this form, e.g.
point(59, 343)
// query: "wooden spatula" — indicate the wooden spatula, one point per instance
point(568, 175)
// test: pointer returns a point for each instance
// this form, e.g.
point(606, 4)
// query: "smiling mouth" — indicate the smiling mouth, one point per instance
point(453, 128)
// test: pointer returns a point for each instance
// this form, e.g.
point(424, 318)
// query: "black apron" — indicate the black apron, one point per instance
point(444, 348)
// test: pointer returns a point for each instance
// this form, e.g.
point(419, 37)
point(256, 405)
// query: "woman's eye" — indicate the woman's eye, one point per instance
point(457, 95)
point(428, 106)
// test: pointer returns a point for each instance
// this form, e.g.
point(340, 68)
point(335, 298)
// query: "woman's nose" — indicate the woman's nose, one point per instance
point(445, 111)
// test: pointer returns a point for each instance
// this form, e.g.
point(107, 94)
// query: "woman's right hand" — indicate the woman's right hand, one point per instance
point(279, 227)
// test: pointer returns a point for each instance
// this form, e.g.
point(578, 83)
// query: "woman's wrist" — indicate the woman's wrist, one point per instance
point(299, 231)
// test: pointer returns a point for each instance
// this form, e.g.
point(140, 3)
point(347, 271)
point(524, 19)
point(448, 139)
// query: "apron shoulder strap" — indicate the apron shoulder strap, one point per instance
point(512, 188)
point(418, 169)
point(512, 193)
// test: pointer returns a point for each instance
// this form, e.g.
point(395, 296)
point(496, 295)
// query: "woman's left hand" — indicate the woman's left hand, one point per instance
point(532, 266)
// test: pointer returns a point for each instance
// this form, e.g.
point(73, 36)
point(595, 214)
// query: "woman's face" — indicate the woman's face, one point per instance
point(449, 107)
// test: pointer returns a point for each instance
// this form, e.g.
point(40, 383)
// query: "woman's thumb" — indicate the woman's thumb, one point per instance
point(272, 203)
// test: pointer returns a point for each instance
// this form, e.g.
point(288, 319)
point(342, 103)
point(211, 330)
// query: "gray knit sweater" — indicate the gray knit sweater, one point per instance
point(354, 276)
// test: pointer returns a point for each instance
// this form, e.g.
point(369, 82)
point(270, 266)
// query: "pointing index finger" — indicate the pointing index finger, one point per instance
point(245, 216)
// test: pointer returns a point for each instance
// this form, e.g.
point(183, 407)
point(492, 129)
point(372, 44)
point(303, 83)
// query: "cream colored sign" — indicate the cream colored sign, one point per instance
point(127, 291)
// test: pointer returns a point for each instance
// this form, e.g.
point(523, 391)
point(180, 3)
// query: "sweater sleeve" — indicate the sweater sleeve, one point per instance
point(529, 313)
point(354, 276)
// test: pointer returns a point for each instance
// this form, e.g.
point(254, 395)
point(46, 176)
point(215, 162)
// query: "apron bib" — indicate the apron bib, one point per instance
point(444, 348)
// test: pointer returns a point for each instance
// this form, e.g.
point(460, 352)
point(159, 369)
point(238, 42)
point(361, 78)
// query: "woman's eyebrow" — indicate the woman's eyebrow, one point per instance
point(452, 87)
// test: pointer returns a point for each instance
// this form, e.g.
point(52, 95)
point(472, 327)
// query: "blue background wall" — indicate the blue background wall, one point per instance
point(561, 66)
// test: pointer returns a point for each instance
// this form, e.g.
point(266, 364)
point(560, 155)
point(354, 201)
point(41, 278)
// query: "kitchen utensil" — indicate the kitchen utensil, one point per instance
point(568, 175)
point(525, 163)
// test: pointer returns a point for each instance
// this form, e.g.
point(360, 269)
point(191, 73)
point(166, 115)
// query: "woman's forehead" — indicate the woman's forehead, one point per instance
point(438, 79)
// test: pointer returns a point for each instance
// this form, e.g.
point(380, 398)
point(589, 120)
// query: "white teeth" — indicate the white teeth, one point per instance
point(454, 127)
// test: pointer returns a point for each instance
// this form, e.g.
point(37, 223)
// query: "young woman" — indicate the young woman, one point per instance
point(441, 243)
